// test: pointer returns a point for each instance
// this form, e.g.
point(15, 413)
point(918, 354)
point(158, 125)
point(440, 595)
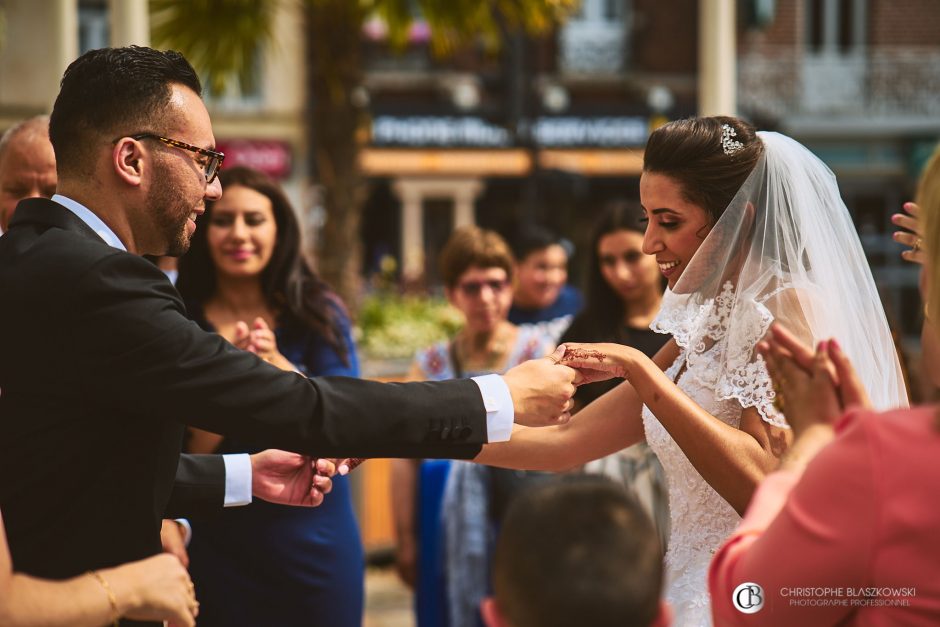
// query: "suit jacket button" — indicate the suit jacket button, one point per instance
point(445, 433)
point(464, 432)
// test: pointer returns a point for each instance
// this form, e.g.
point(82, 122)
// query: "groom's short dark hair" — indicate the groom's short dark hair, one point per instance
point(110, 92)
point(577, 551)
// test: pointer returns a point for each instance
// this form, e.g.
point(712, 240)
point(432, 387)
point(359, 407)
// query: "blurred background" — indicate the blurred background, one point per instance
point(391, 122)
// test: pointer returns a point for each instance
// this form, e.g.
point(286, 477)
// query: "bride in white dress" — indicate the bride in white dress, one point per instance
point(748, 228)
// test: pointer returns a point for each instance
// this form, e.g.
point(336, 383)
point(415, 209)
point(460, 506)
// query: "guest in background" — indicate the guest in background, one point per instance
point(576, 551)
point(542, 293)
point(477, 268)
point(624, 294)
point(245, 278)
point(27, 165)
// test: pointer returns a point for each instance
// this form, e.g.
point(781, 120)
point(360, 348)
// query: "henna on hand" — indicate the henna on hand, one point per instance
point(584, 354)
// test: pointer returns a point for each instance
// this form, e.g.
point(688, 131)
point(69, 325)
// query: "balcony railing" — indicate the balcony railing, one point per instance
point(895, 82)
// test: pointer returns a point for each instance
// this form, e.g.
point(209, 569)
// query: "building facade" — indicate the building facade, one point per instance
point(856, 81)
point(264, 129)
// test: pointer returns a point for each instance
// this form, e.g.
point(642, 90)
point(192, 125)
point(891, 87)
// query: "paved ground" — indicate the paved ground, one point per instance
point(388, 601)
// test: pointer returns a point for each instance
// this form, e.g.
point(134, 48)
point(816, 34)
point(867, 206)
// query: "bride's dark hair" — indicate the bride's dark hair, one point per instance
point(691, 152)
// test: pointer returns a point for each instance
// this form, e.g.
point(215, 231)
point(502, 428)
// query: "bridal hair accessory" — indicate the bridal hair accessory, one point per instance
point(729, 146)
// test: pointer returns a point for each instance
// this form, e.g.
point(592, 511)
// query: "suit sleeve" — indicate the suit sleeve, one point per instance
point(142, 352)
point(199, 486)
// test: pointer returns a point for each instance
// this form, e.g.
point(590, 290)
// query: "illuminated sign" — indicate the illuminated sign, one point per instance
point(270, 156)
point(558, 132)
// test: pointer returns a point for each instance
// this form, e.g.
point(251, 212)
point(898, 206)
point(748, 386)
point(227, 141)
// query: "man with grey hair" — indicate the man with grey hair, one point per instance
point(27, 165)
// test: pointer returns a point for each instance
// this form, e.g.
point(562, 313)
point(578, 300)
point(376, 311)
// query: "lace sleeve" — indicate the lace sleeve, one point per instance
point(752, 386)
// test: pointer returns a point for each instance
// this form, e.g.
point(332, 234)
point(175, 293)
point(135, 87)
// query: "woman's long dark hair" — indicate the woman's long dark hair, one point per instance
point(289, 285)
point(604, 309)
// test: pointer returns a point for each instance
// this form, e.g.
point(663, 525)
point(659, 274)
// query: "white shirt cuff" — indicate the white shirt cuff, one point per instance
point(499, 410)
point(237, 479)
point(187, 530)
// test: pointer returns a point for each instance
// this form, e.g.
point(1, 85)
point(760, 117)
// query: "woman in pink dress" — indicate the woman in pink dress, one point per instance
point(845, 532)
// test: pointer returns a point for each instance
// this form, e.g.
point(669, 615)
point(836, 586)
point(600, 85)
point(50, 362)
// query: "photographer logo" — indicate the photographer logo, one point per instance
point(748, 598)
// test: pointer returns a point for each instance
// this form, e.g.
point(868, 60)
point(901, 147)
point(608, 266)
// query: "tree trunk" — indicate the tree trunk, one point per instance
point(334, 71)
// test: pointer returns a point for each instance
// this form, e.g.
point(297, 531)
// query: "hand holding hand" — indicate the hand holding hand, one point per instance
point(155, 589)
point(173, 539)
point(542, 391)
point(913, 235)
point(598, 362)
point(290, 478)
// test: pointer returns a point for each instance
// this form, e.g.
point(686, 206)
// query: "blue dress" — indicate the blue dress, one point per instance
point(267, 564)
point(457, 520)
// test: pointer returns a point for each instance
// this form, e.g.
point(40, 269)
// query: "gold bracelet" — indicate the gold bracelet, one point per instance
point(111, 597)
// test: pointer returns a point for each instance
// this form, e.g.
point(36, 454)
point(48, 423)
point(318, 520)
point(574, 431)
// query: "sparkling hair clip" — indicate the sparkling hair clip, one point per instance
point(729, 146)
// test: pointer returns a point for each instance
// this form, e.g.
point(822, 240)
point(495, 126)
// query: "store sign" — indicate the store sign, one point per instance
point(556, 132)
point(270, 156)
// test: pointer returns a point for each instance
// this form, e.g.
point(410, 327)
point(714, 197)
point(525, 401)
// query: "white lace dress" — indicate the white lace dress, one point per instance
point(700, 518)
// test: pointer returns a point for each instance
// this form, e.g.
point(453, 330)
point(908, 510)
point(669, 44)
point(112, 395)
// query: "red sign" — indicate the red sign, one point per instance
point(270, 156)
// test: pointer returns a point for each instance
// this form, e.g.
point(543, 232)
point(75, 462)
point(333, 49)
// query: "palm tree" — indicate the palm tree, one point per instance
point(221, 37)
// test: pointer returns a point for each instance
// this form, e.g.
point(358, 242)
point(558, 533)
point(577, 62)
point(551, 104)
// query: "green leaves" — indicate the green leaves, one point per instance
point(221, 38)
point(393, 326)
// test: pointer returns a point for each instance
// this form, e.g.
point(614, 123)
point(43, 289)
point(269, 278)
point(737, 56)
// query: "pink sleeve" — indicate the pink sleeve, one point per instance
point(797, 535)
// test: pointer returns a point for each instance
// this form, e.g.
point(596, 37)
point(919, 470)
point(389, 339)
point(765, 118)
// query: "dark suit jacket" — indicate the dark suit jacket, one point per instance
point(100, 369)
point(199, 486)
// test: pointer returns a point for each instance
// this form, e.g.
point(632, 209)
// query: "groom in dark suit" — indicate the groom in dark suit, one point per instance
point(101, 368)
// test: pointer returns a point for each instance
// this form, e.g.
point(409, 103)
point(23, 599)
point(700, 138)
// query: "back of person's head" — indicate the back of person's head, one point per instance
point(113, 92)
point(530, 238)
point(928, 199)
point(577, 551)
point(473, 247)
point(701, 155)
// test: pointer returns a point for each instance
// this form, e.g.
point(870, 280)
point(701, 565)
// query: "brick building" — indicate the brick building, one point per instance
point(857, 81)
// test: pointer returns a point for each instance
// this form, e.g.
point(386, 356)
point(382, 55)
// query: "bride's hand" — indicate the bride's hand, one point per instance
point(598, 362)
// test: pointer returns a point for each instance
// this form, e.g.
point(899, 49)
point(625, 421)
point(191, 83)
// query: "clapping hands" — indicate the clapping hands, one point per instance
point(260, 340)
point(813, 387)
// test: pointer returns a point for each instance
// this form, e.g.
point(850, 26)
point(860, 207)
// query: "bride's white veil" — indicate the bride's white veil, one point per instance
point(784, 249)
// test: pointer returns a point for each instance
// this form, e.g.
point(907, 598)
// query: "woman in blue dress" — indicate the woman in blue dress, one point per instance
point(245, 278)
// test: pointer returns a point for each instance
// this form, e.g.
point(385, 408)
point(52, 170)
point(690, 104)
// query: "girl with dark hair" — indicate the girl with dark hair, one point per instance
point(624, 294)
point(245, 278)
point(748, 229)
point(624, 290)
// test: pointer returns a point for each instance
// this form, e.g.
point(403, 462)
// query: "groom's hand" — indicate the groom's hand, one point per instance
point(542, 391)
point(291, 479)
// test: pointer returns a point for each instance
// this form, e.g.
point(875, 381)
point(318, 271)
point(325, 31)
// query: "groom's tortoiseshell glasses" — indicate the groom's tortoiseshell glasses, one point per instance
point(212, 163)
